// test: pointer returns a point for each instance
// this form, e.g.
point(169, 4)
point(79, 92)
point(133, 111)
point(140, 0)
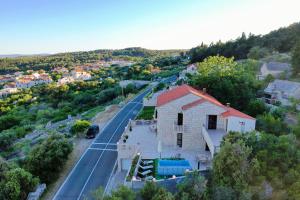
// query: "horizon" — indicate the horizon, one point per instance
point(53, 27)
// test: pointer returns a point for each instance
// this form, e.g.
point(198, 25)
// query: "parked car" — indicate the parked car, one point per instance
point(92, 131)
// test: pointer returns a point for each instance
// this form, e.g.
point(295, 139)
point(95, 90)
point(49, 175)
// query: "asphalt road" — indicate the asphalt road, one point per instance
point(96, 165)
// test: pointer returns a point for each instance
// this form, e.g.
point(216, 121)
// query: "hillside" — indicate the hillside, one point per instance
point(281, 40)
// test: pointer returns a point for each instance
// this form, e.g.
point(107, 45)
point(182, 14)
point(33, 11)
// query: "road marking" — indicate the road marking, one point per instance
point(72, 171)
point(98, 149)
point(88, 179)
point(135, 102)
point(108, 182)
point(104, 143)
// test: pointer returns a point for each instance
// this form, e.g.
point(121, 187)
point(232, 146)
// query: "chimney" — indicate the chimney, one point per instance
point(228, 104)
point(204, 90)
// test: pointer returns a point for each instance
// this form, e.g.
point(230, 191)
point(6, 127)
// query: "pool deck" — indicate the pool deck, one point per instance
point(144, 138)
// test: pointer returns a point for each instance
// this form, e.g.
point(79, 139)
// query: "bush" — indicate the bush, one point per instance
point(16, 184)
point(80, 127)
point(149, 190)
point(47, 159)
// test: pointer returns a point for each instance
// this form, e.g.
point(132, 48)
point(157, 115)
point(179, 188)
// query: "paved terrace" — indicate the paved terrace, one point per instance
point(144, 137)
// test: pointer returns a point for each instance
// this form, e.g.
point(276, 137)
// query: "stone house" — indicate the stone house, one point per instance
point(281, 91)
point(192, 119)
point(187, 123)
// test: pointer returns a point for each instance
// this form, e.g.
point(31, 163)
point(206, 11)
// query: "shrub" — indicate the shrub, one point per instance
point(47, 159)
point(16, 184)
point(80, 127)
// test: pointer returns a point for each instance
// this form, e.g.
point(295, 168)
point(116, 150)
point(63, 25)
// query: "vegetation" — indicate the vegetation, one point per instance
point(296, 58)
point(132, 168)
point(147, 113)
point(281, 40)
point(227, 81)
point(80, 127)
point(15, 183)
point(47, 159)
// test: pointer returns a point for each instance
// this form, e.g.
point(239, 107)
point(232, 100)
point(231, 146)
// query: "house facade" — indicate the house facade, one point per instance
point(188, 124)
point(281, 91)
point(193, 120)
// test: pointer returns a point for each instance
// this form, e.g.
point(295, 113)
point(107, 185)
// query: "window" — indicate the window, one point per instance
point(180, 119)
point(179, 140)
point(212, 122)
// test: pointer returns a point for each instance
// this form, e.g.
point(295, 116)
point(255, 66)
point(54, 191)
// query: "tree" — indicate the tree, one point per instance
point(17, 183)
point(296, 58)
point(226, 80)
point(256, 107)
point(122, 193)
point(257, 52)
point(163, 194)
point(233, 168)
point(80, 127)
point(271, 124)
point(149, 190)
point(193, 187)
point(47, 159)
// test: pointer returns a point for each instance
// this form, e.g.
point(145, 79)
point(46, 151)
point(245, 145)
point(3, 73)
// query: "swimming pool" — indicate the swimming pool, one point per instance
point(173, 167)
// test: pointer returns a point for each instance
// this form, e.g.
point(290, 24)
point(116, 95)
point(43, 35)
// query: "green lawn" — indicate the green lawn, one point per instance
point(147, 113)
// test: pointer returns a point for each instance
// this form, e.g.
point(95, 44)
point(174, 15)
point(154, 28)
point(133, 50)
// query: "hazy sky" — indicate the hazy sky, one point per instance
point(50, 26)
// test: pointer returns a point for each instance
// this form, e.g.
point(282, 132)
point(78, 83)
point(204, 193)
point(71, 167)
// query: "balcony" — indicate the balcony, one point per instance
point(213, 138)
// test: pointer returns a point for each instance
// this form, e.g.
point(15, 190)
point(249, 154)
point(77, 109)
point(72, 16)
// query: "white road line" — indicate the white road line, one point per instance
point(69, 175)
point(88, 179)
point(98, 149)
point(104, 143)
point(108, 182)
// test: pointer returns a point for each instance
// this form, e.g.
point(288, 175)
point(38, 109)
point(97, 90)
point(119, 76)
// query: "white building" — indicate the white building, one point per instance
point(66, 80)
point(187, 123)
point(7, 91)
point(190, 119)
point(191, 69)
point(79, 74)
point(281, 91)
point(28, 81)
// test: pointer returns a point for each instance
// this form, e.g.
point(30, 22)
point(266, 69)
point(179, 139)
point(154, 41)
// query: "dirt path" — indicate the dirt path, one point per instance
point(80, 145)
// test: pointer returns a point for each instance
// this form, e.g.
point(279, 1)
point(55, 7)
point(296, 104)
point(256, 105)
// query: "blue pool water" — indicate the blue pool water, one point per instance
point(173, 167)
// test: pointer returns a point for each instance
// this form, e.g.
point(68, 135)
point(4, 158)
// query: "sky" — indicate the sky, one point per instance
point(52, 26)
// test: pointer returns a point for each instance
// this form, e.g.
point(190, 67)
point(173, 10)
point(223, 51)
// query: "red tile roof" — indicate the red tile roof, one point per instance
point(181, 91)
point(233, 112)
point(184, 90)
point(190, 105)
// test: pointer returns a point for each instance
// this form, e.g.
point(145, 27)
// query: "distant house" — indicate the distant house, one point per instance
point(274, 69)
point(60, 70)
point(10, 85)
point(281, 91)
point(66, 80)
point(6, 78)
point(79, 74)
point(190, 69)
point(28, 81)
point(7, 91)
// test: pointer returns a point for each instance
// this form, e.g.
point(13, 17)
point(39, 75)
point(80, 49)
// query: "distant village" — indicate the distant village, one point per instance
point(13, 83)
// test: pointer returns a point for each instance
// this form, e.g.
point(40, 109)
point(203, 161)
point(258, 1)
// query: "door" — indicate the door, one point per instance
point(180, 119)
point(212, 122)
point(179, 140)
